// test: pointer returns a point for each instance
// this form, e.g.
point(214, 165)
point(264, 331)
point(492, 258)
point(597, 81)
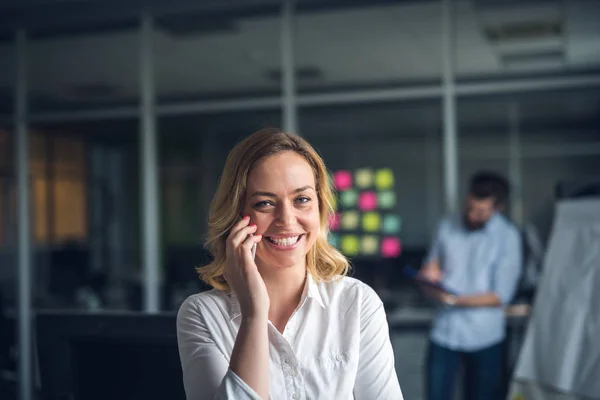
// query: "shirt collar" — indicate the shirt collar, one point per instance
point(311, 291)
point(493, 221)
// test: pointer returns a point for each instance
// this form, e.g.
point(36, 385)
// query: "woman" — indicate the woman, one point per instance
point(284, 323)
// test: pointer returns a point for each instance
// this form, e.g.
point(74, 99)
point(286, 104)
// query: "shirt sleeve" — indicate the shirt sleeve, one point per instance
point(206, 372)
point(508, 270)
point(376, 376)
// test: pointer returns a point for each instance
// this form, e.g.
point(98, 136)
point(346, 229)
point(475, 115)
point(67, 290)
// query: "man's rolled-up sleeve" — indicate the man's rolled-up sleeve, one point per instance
point(508, 269)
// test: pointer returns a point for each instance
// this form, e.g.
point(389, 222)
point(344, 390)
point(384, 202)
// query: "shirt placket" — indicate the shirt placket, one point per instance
point(294, 383)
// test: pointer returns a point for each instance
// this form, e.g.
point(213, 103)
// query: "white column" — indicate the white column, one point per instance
point(23, 220)
point(151, 244)
point(515, 167)
point(451, 183)
point(432, 170)
point(288, 72)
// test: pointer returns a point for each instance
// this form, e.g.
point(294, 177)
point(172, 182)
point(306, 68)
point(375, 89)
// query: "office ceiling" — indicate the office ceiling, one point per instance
point(389, 43)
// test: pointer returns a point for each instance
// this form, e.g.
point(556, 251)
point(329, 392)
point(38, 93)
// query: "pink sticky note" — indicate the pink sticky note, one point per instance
point(334, 221)
point(342, 180)
point(390, 247)
point(367, 201)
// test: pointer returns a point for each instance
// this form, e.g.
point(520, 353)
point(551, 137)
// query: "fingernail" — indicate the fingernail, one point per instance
point(253, 225)
point(246, 217)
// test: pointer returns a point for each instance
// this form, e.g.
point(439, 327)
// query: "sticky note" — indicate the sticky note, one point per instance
point(390, 247)
point(371, 222)
point(333, 239)
point(363, 178)
point(349, 220)
point(334, 221)
point(349, 245)
point(334, 202)
point(386, 199)
point(369, 245)
point(384, 179)
point(367, 201)
point(342, 180)
point(392, 224)
point(348, 198)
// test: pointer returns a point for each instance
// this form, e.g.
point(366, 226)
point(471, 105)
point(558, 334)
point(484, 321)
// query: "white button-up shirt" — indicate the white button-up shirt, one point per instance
point(336, 345)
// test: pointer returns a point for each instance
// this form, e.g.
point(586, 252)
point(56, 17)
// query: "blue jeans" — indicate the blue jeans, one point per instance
point(482, 372)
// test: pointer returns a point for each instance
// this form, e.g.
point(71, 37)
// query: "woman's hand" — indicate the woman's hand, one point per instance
point(242, 273)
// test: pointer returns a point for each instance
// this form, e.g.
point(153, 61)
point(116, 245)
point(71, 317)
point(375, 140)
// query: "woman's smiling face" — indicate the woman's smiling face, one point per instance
point(282, 201)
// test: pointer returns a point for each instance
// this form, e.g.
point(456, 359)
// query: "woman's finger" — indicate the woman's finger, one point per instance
point(238, 225)
point(238, 237)
point(246, 247)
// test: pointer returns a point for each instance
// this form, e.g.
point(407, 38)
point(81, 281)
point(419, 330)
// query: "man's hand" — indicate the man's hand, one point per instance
point(431, 272)
point(439, 295)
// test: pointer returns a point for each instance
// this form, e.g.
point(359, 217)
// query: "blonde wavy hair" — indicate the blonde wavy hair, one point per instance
point(323, 261)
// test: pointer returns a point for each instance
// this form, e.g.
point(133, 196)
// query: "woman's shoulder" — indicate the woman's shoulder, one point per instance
point(198, 303)
point(351, 290)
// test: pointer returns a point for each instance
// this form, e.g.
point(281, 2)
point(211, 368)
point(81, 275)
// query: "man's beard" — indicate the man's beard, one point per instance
point(473, 226)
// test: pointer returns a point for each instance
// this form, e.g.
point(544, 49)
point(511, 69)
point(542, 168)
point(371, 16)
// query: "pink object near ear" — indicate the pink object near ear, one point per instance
point(334, 221)
point(390, 247)
point(342, 180)
point(367, 201)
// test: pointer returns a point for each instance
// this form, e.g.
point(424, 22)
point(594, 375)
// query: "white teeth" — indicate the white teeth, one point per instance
point(285, 241)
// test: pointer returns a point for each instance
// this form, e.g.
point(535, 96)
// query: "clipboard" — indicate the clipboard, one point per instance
point(413, 274)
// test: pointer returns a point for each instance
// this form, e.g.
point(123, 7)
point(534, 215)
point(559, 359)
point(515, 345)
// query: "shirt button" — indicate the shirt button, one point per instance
point(338, 357)
point(296, 396)
point(287, 361)
point(293, 373)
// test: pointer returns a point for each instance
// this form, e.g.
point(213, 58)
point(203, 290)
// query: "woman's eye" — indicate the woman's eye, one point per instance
point(262, 204)
point(302, 200)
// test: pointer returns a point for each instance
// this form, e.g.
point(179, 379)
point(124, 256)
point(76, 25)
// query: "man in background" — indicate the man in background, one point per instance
point(476, 256)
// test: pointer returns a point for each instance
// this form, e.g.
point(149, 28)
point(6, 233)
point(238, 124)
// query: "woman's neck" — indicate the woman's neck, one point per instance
point(285, 287)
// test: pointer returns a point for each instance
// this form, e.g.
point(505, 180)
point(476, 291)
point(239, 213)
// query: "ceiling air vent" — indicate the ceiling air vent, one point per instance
point(531, 30)
point(525, 34)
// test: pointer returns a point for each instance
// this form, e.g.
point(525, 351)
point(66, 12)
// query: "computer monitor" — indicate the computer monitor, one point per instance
point(108, 356)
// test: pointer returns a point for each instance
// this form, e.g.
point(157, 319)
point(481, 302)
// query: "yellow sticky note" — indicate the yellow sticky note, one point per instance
point(384, 179)
point(349, 220)
point(363, 178)
point(349, 245)
point(369, 245)
point(371, 222)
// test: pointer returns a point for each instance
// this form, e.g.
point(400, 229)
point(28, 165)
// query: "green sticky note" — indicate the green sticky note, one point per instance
point(386, 199)
point(333, 239)
point(392, 224)
point(348, 198)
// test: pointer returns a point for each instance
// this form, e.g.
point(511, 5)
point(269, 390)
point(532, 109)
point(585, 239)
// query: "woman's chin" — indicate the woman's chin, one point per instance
point(284, 261)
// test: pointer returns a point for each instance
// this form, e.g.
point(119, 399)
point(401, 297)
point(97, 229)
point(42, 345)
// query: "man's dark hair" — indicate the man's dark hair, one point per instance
point(486, 184)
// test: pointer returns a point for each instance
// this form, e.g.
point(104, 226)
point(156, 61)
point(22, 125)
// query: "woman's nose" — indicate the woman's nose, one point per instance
point(285, 215)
